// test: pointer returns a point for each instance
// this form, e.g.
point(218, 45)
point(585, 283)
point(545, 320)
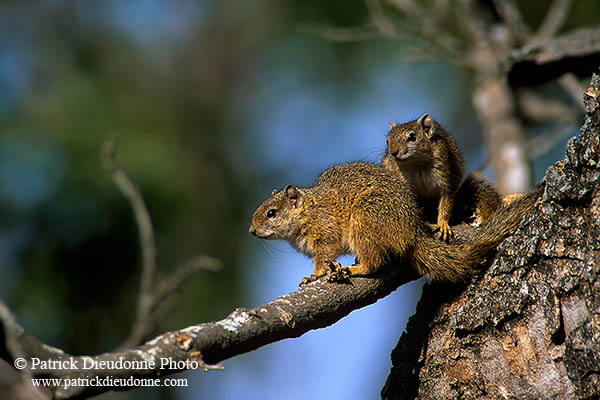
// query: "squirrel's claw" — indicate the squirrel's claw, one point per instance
point(445, 232)
point(337, 273)
point(308, 279)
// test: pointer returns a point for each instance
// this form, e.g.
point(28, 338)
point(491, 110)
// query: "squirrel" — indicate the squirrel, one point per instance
point(368, 211)
point(425, 154)
point(476, 195)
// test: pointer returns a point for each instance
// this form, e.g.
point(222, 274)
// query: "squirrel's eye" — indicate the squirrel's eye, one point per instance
point(271, 213)
point(410, 137)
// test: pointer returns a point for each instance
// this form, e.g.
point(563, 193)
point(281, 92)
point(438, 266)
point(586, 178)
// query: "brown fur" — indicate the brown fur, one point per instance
point(425, 154)
point(476, 197)
point(366, 210)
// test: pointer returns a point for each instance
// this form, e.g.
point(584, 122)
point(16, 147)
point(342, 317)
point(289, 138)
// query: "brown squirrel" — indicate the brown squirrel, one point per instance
point(366, 210)
point(476, 196)
point(425, 154)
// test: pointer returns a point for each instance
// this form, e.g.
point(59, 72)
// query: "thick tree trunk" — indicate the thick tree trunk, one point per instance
point(529, 327)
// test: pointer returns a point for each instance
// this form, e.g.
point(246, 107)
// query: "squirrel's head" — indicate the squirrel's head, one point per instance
point(411, 142)
point(276, 217)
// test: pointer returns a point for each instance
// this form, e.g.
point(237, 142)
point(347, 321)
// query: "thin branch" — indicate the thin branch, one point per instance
point(152, 291)
point(553, 21)
point(166, 309)
point(196, 264)
point(430, 30)
point(426, 25)
point(313, 306)
point(11, 330)
point(512, 17)
point(143, 322)
point(472, 24)
point(338, 34)
point(381, 21)
point(576, 51)
point(547, 140)
point(430, 26)
point(537, 108)
point(574, 88)
point(411, 9)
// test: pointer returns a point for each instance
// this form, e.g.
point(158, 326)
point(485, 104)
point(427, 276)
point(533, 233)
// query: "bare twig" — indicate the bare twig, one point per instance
point(537, 108)
point(196, 264)
point(338, 34)
point(152, 291)
point(547, 140)
point(575, 51)
point(553, 21)
point(379, 19)
point(472, 24)
point(573, 87)
point(142, 325)
point(11, 330)
point(512, 17)
point(411, 9)
point(429, 26)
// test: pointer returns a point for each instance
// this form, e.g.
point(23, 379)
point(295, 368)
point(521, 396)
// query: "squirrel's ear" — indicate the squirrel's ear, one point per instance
point(426, 123)
point(392, 125)
point(293, 195)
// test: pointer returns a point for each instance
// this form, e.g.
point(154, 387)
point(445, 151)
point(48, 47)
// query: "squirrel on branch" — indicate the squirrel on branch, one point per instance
point(373, 213)
point(425, 154)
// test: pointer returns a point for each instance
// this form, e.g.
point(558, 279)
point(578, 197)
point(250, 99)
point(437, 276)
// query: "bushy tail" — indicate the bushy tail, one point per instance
point(456, 262)
point(476, 194)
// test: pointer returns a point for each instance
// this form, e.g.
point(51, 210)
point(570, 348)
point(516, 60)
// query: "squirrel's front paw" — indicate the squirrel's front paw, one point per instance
point(308, 279)
point(445, 232)
point(337, 273)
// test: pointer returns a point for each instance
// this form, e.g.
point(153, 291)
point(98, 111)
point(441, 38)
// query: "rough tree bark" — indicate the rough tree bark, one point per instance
point(529, 328)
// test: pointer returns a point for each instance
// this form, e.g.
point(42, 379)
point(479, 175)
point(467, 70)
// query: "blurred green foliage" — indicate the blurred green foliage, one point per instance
point(161, 78)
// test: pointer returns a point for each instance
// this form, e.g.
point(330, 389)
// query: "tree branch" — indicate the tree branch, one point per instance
point(142, 325)
point(152, 293)
point(200, 346)
point(573, 88)
point(537, 108)
point(512, 17)
point(381, 21)
point(553, 21)
point(339, 34)
point(317, 305)
point(196, 264)
point(429, 26)
point(575, 52)
point(9, 330)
